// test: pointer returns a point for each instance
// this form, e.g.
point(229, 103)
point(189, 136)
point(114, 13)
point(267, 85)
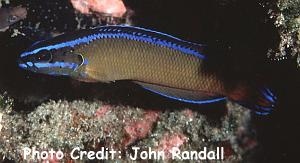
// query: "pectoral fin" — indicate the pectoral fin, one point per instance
point(196, 97)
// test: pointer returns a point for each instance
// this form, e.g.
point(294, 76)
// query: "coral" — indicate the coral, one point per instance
point(65, 125)
point(139, 129)
point(170, 141)
point(114, 8)
point(286, 16)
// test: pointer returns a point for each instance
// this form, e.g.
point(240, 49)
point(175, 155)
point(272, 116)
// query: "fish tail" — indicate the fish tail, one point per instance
point(260, 99)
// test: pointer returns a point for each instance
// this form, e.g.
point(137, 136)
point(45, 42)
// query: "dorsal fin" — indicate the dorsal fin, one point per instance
point(153, 37)
point(126, 32)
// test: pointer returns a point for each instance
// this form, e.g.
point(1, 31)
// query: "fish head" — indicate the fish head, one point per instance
point(47, 59)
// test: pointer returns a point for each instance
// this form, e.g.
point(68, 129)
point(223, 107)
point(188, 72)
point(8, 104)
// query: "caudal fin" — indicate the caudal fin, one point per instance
point(259, 99)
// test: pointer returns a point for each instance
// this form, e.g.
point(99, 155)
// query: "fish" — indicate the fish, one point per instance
point(9, 16)
point(158, 62)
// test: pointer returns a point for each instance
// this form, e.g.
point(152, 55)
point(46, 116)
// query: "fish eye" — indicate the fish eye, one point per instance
point(44, 56)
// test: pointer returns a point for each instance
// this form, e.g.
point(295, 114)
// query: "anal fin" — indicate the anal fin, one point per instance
point(195, 97)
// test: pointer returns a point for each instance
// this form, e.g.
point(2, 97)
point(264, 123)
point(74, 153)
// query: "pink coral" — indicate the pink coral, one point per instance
point(115, 8)
point(188, 113)
point(140, 129)
point(102, 111)
point(170, 141)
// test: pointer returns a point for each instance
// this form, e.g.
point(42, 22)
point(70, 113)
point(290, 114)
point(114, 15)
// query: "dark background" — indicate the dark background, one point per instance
point(238, 33)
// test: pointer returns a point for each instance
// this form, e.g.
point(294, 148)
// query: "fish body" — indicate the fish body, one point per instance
point(158, 62)
point(9, 16)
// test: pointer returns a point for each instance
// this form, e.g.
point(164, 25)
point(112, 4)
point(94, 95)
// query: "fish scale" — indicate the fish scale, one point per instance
point(134, 60)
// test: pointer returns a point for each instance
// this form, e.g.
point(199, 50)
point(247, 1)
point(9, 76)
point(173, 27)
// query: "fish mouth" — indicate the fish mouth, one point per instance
point(26, 65)
point(22, 64)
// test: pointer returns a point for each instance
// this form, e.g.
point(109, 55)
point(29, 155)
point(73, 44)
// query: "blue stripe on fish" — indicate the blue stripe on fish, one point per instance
point(49, 65)
point(260, 110)
point(270, 98)
point(56, 64)
point(59, 74)
point(22, 65)
point(262, 113)
point(130, 33)
point(264, 108)
point(186, 100)
point(271, 93)
point(267, 93)
point(29, 63)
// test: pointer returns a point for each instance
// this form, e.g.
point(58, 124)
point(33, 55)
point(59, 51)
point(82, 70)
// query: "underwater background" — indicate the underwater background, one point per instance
point(245, 38)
